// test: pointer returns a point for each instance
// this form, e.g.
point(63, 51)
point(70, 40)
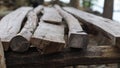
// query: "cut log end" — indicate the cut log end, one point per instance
point(19, 44)
point(46, 46)
point(78, 40)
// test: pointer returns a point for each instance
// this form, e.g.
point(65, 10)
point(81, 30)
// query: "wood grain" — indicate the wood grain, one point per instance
point(49, 38)
point(10, 24)
point(51, 15)
point(21, 42)
point(108, 28)
point(77, 37)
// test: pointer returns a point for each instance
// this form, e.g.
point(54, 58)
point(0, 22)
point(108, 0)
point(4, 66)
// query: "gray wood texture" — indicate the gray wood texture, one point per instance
point(51, 15)
point(108, 28)
point(20, 43)
point(77, 37)
point(10, 25)
point(48, 38)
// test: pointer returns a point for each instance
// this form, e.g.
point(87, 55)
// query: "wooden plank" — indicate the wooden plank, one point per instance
point(108, 28)
point(11, 24)
point(51, 15)
point(93, 55)
point(2, 58)
point(49, 38)
point(20, 43)
point(77, 37)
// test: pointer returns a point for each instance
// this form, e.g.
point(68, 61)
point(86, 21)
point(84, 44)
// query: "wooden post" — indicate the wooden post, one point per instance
point(77, 37)
point(10, 25)
point(2, 58)
point(108, 9)
point(75, 3)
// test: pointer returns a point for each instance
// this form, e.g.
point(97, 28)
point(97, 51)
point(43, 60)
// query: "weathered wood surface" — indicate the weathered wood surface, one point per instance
point(49, 38)
point(20, 43)
point(38, 9)
point(2, 58)
point(10, 25)
point(51, 15)
point(77, 37)
point(93, 55)
point(108, 28)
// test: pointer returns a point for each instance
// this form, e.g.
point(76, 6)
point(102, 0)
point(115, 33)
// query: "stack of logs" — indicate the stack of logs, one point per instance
point(49, 29)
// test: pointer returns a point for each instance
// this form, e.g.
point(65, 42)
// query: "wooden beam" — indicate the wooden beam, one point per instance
point(108, 28)
point(2, 58)
point(10, 25)
point(49, 38)
point(20, 43)
point(51, 15)
point(93, 55)
point(77, 37)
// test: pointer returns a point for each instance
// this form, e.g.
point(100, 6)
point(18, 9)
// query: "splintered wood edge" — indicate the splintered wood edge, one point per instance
point(44, 46)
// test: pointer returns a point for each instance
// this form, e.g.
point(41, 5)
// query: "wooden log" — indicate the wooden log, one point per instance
point(51, 15)
point(20, 43)
point(77, 37)
point(2, 58)
point(92, 56)
point(10, 25)
point(38, 9)
point(108, 28)
point(49, 38)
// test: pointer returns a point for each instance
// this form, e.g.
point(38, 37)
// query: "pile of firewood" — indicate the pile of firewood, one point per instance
point(54, 29)
point(49, 29)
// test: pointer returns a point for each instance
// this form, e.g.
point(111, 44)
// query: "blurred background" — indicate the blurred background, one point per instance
point(92, 6)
